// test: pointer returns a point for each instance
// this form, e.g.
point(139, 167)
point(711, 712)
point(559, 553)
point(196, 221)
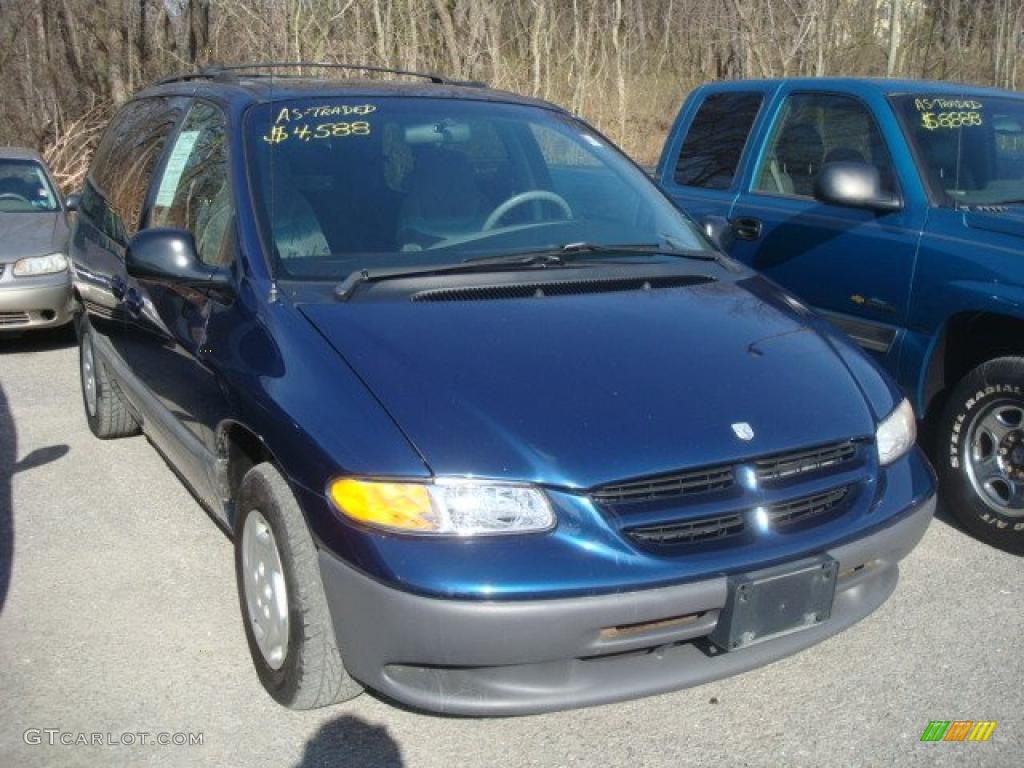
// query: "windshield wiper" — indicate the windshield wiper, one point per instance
point(573, 251)
point(486, 264)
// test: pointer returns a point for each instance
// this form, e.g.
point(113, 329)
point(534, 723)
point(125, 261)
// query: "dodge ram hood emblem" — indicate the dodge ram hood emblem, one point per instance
point(743, 430)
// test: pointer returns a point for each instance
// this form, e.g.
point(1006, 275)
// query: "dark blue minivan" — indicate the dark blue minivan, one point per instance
point(494, 427)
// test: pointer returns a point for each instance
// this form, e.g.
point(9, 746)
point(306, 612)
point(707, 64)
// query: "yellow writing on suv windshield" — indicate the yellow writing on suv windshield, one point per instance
point(949, 113)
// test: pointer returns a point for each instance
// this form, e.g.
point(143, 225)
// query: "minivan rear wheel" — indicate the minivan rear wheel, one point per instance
point(287, 622)
point(105, 409)
point(981, 457)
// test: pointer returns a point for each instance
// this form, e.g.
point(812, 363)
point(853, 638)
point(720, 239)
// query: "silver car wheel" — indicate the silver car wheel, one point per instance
point(266, 595)
point(994, 457)
point(89, 375)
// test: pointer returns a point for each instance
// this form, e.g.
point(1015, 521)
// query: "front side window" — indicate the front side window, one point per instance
point(815, 129)
point(715, 141)
point(344, 184)
point(970, 149)
point(122, 168)
point(193, 192)
point(24, 188)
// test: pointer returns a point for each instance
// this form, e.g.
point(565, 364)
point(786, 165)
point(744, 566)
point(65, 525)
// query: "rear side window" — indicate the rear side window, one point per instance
point(123, 166)
point(714, 144)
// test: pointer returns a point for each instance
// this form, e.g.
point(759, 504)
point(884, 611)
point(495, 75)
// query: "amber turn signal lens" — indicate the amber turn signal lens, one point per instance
point(403, 506)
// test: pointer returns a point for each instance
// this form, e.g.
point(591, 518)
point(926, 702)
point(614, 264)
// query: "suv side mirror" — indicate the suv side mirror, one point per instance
point(854, 184)
point(169, 255)
point(72, 201)
point(719, 231)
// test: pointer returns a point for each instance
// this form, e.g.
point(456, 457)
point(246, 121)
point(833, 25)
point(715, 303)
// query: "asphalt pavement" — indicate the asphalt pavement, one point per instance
point(119, 617)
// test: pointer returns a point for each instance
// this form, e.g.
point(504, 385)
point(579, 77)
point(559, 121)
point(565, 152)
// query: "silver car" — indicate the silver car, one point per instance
point(35, 285)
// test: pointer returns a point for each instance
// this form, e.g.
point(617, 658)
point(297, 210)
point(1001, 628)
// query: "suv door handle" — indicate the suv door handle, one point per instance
point(747, 227)
point(118, 286)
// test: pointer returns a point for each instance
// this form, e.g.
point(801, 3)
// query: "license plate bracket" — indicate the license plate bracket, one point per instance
point(775, 602)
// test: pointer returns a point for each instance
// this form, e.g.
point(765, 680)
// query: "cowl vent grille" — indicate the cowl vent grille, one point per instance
point(541, 290)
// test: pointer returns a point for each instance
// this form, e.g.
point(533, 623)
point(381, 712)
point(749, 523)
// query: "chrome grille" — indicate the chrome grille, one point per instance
point(13, 318)
point(690, 531)
point(2, 268)
point(806, 508)
point(666, 486)
point(780, 467)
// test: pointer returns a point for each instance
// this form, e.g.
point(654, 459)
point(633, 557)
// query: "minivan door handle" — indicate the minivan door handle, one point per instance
point(118, 287)
point(747, 227)
point(133, 302)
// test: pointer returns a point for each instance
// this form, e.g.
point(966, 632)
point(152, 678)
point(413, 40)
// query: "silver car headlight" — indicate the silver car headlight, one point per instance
point(448, 506)
point(41, 265)
point(896, 433)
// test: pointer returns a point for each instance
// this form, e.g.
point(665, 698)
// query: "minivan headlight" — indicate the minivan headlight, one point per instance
point(896, 433)
point(453, 507)
point(40, 265)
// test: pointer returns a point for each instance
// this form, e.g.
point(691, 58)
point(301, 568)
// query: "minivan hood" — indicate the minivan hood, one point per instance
point(577, 391)
point(31, 234)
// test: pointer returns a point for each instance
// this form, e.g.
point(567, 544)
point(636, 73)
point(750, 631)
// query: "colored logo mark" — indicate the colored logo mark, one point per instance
point(958, 730)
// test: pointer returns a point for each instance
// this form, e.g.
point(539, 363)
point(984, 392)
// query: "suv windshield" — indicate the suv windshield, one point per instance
point(24, 188)
point(970, 148)
point(344, 184)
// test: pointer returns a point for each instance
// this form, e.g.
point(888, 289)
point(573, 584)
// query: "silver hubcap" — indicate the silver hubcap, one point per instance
point(265, 594)
point(89, 375)
point(994, 457)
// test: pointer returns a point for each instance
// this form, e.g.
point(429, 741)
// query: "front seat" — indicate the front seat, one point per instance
point(444, 198)
point(293, 222)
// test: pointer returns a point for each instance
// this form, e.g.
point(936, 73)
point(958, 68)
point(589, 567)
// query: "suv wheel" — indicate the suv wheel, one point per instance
point(981, 458)
point(287, 621)
point(105, 409)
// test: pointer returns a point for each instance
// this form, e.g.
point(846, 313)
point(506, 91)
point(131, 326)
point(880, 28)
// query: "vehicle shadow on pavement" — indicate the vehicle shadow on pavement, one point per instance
point(351, 741)
point(8, 467)
point(39, 341)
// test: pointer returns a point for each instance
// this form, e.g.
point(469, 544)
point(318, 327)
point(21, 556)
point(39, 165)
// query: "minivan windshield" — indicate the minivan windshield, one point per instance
point(24, 188)
point(970, 148)
point(346, 184)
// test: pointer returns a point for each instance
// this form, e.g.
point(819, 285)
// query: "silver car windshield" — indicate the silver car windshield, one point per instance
point(24, 188)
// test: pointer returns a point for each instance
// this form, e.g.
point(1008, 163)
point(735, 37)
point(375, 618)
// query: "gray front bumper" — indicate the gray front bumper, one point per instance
point(27, 303)
point(519, 657)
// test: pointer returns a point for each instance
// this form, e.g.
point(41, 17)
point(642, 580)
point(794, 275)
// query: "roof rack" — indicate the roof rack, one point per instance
point(226, 72)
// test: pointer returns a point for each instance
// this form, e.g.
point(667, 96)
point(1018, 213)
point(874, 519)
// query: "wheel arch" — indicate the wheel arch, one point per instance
point(239, 449)
point(967, 340)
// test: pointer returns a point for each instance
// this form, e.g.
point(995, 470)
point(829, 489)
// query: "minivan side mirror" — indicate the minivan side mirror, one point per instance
point(719, 231)
point(170, 255)
point(854, 184)
point(72, 201)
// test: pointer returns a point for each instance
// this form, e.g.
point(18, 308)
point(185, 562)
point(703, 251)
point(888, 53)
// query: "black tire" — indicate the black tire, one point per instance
point(110, 418)
point(991, 385)
point(312, 673)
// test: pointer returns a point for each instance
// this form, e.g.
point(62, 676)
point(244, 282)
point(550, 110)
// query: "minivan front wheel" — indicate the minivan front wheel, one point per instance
point(981, 463)
point(287, 622)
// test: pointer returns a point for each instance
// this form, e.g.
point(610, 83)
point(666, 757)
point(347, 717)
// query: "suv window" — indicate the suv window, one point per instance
point(715, 141)
point(193, 192)
point(815, 129)
point(123, 166)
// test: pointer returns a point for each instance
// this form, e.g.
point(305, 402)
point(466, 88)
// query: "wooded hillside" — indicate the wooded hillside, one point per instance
point(625, 65)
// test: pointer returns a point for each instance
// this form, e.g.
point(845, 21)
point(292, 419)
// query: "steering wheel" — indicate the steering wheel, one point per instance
point(14, 196)
point(526, 197)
